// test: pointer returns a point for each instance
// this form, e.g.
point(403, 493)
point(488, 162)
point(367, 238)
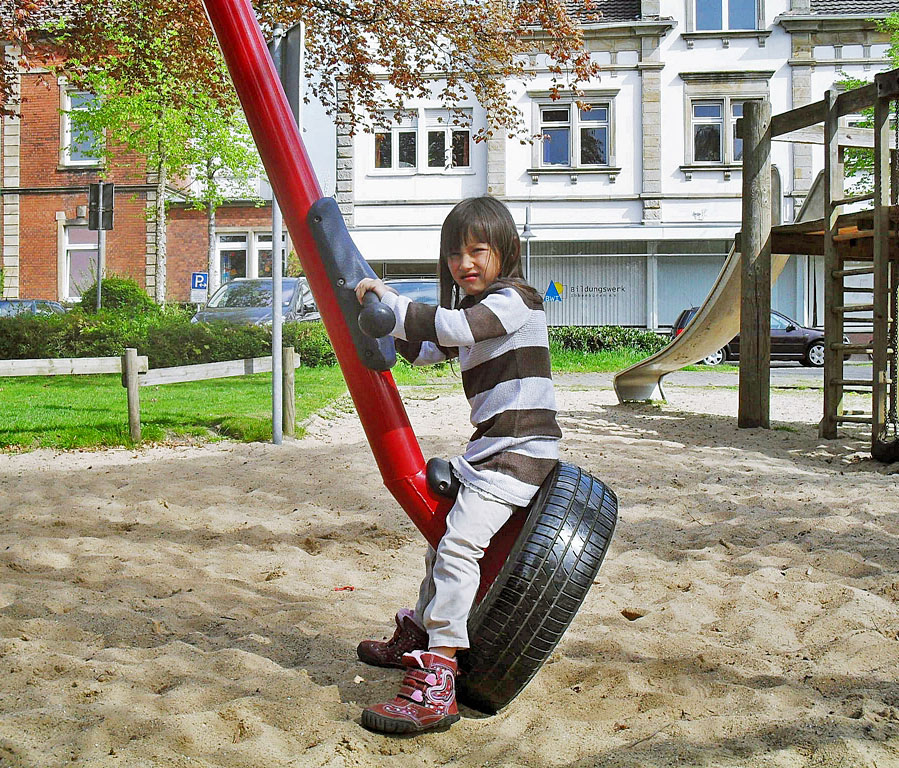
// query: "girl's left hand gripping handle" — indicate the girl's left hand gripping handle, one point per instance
point(345, 267)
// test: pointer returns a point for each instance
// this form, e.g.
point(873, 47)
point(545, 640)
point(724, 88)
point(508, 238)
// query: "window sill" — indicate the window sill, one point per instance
point(405, 172)
point(726, 35)
point(726, 169)
point(606, 170)
point(80, 167)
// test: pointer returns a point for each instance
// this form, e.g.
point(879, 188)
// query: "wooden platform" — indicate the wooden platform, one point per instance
point(855, 238)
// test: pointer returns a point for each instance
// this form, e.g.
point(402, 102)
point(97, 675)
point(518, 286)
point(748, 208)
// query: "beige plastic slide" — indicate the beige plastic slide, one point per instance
point(715, 324)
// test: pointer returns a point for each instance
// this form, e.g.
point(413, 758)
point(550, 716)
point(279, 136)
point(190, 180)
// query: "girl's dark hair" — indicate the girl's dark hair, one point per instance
point(481, 220)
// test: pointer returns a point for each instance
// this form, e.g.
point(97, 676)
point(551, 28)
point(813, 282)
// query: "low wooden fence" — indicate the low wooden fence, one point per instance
point(136, 374)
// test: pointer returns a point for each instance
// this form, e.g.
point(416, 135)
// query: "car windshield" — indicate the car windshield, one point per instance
point(250, 293)
point(13, 308)
point(424, 291)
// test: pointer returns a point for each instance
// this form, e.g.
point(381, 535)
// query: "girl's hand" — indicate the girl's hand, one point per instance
point(367, 284)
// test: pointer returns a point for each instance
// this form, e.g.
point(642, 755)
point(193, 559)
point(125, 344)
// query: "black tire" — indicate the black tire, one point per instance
point(537, 593)
point(814, 355)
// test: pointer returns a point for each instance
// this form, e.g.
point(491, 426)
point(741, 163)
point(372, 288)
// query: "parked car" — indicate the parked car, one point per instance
point(248, 301)
point(789, 341)
point(425, 290)
point(13, 307)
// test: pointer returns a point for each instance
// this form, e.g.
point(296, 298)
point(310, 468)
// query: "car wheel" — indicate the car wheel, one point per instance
point(543, 582)
point(814, 355)
point(716, 358)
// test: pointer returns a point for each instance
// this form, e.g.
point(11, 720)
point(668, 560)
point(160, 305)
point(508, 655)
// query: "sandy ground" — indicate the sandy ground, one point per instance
point(180, 606)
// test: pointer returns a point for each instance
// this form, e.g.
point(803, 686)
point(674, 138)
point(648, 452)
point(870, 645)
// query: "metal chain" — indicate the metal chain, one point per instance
point(891, 426)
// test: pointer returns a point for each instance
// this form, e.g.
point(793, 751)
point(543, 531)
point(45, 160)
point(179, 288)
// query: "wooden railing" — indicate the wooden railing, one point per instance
point(136, 374)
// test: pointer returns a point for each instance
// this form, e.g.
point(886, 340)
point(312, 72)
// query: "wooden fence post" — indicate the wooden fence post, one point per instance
point(130, 382)
point(288, 394)
point(755, 287)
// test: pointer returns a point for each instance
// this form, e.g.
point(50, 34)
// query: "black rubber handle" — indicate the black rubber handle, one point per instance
point(375, 319)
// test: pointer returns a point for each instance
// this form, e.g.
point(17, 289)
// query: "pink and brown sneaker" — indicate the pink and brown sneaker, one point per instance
point(407, 637)
point(426, 700)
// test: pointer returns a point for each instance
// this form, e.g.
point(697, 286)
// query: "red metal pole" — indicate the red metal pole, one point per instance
point(293, 180)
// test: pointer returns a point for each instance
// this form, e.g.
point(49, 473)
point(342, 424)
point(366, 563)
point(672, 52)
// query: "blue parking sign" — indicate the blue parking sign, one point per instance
point(199, 281)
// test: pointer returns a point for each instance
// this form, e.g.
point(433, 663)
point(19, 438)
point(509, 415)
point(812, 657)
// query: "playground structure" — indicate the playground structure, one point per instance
point(854, 244)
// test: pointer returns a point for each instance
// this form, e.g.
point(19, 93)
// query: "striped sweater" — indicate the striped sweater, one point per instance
point(501, 341)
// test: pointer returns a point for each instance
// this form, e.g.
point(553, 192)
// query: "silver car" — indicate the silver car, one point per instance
point(248, 301)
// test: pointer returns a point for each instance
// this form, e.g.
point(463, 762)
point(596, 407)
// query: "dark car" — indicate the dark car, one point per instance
point(789, 341)
point(423, 289)
point(13, 307)
point(248, 301)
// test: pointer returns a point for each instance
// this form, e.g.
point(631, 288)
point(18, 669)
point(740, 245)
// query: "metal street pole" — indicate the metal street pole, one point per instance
point(101, 264)
point(526, 235)
point(277, 404)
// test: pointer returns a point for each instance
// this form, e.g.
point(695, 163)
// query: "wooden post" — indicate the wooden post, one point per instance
point(288, 394)
point(881, 297)
point(755, 289)
point(833, 286)
point(130, 382)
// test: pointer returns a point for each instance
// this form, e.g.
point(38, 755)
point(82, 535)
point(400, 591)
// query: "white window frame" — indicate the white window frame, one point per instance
point(408, 124)
point(728, 124)
point(575, 125)
point(574, 167)
point(421, 122)
point(256, 240)
point(436, 120)
point(725, 14)
point(69, 248)
point(66, 132)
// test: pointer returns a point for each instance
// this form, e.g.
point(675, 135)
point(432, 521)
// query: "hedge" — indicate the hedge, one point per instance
point(167, 338)
point(605, 338)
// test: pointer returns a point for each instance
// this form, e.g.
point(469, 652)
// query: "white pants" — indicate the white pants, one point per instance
point(452, 574)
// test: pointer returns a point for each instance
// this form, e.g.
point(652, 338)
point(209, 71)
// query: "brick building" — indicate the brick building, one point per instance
point(48, 251)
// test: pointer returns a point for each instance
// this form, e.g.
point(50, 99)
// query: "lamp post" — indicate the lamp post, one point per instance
point(526, 234)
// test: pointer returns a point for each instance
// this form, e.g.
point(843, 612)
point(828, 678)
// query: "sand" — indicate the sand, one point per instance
point(184, 605)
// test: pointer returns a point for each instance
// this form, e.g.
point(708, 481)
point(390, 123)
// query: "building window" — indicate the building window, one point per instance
point(428, 141)
point(715, 15)
point(80, 144)
point(396, 148)
point(81, 260)
point(714, 126)
point(449, 145)
point(264, 255)
point(573, 137)
point(232, 256)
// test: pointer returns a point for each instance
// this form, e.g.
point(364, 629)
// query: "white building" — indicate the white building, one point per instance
point(633, 204)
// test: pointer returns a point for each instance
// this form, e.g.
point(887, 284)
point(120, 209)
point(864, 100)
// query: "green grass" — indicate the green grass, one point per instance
point(67, 412)
point(566, 361)
point(91, 411)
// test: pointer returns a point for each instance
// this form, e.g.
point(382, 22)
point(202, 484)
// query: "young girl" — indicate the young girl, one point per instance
point(493, 321)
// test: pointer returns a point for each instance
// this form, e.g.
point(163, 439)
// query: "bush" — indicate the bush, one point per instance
point(605, 337)
point(118, 293)
point(166, 337)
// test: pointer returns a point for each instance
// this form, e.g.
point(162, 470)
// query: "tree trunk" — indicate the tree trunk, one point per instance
point(161, 179)
point(215, 277)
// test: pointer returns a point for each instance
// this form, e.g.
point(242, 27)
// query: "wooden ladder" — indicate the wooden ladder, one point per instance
point(839, 265)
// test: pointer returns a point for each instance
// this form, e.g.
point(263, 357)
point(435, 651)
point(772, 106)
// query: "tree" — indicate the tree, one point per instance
point(224, 162)
point(380, 53)
point(859, 163)
point(149, 60)
point(147, 123)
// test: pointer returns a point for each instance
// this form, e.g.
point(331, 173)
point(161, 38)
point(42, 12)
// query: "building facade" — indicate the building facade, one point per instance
point(634, 203)
point(47, 249)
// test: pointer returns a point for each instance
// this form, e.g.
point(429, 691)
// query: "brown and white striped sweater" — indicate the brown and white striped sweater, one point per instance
point(501, 340)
